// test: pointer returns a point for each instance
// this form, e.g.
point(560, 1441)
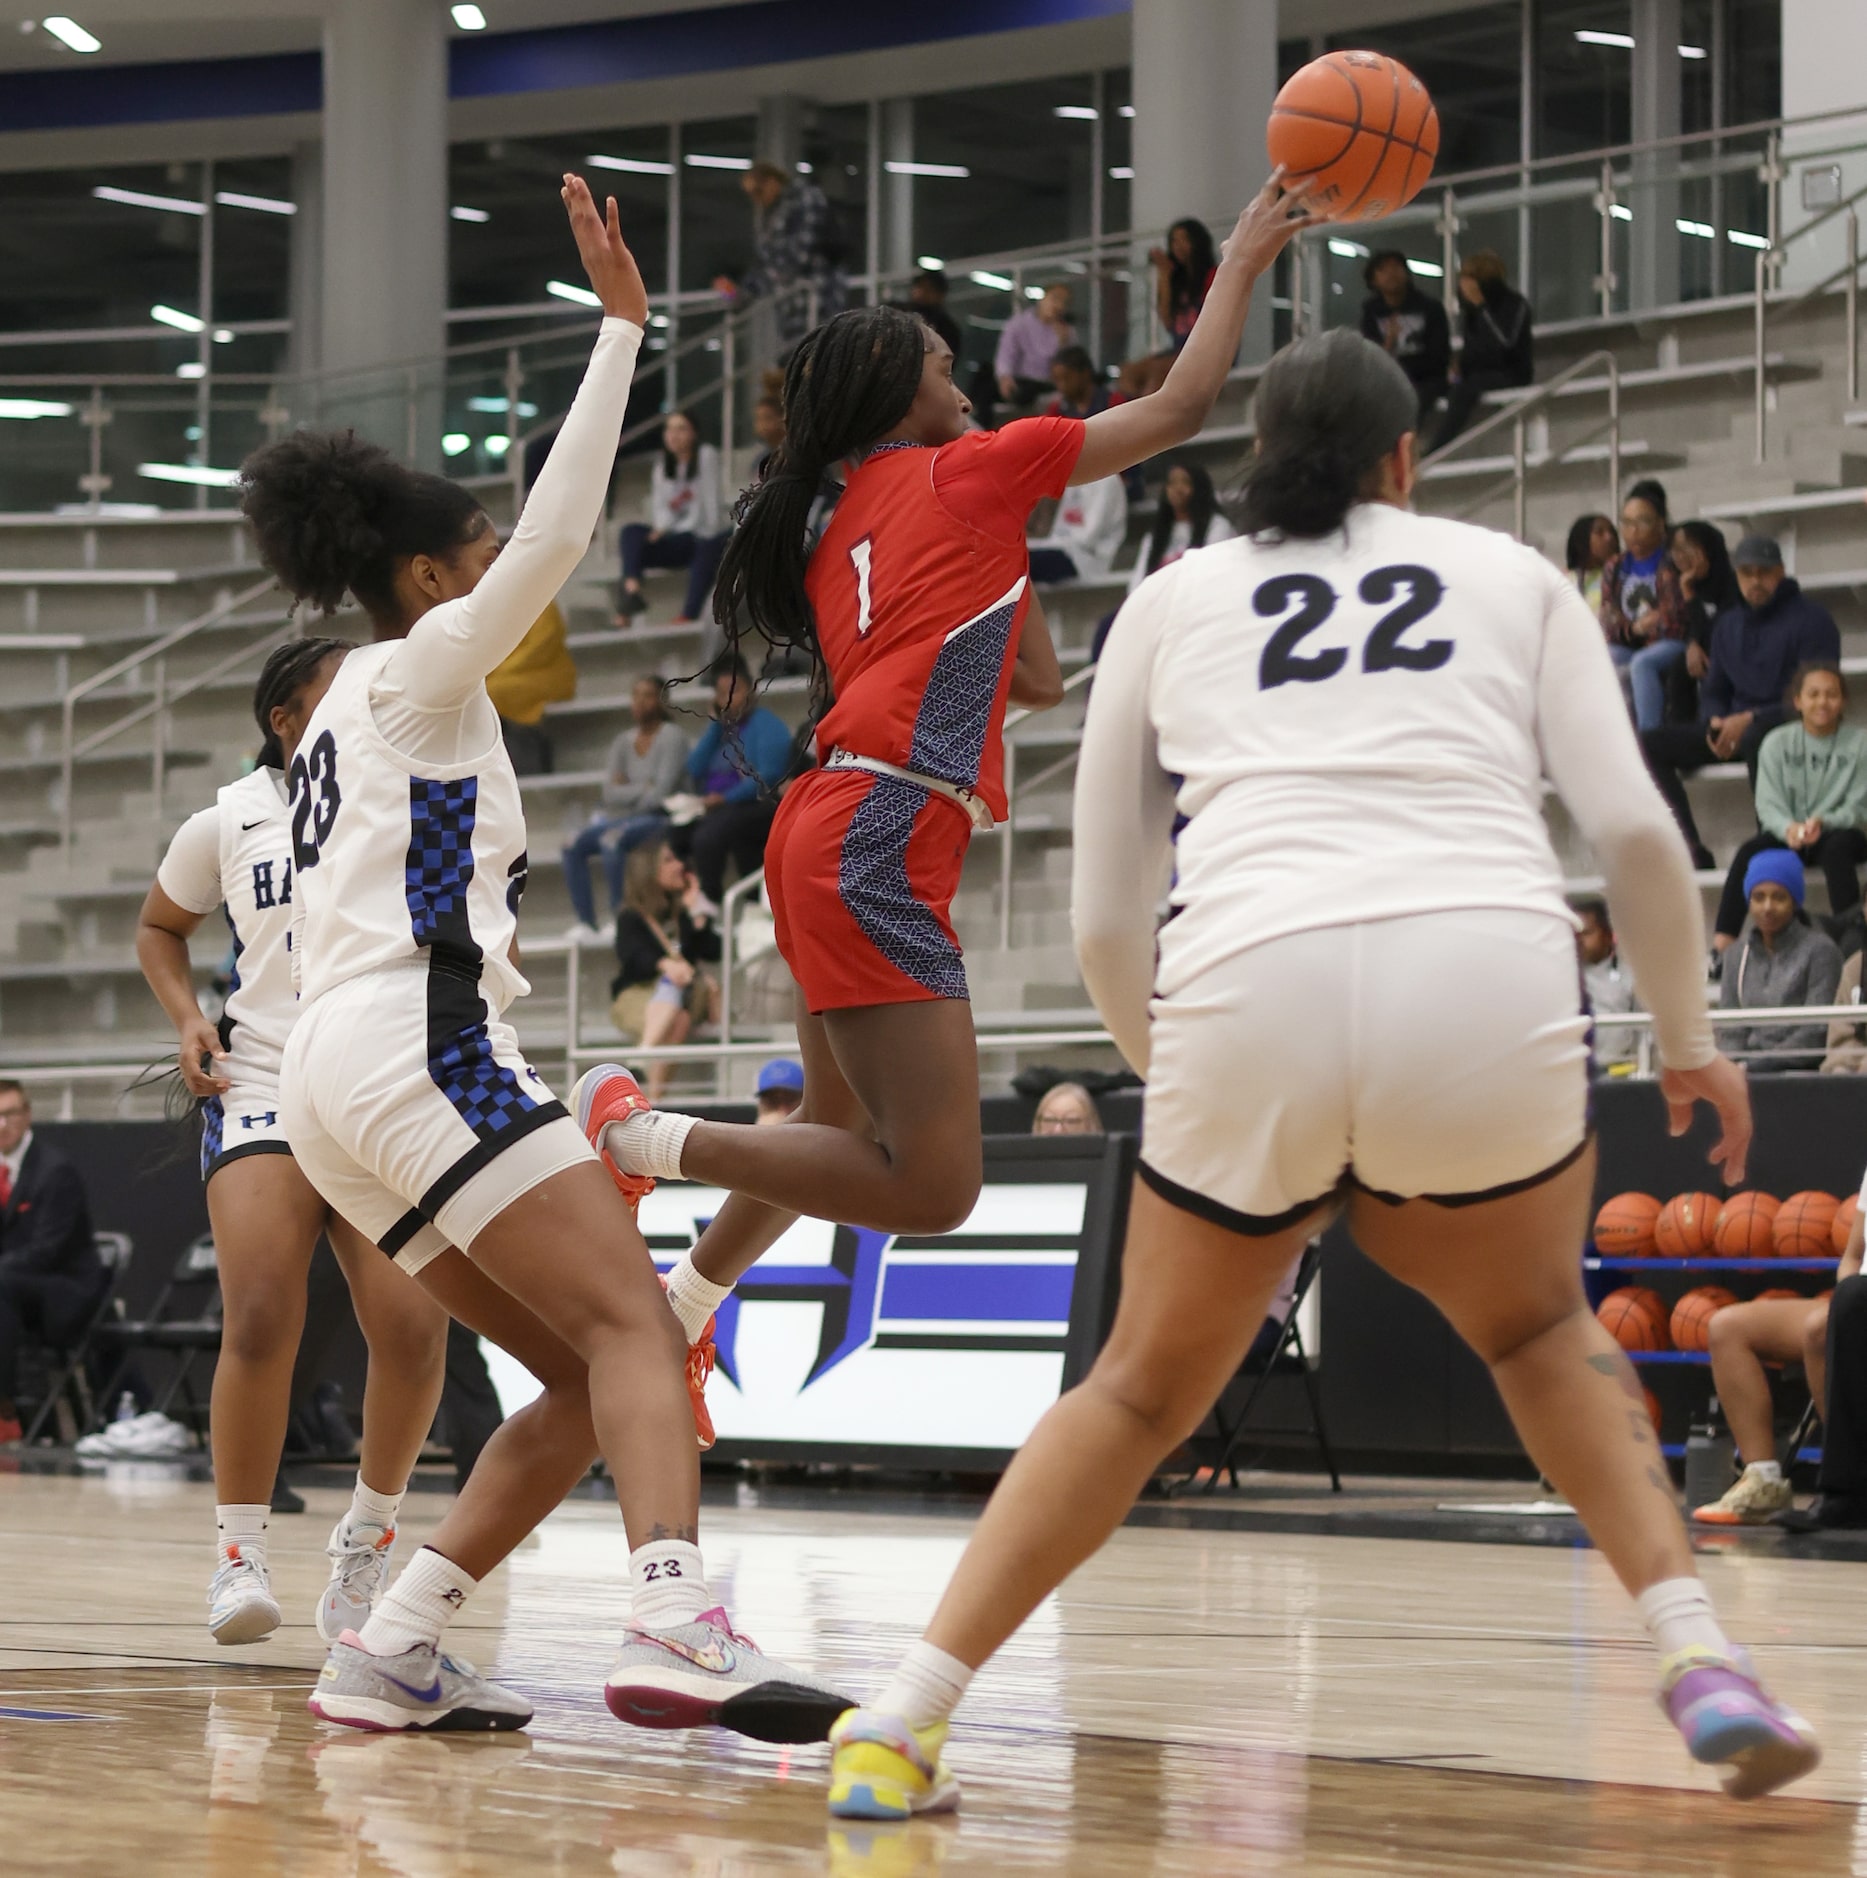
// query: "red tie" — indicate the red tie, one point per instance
point(6, 1185)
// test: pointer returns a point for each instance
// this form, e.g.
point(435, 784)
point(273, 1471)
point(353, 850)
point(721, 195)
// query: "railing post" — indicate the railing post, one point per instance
point(729, 374)
point(1763, 281)
point(66, 737)
point(1772, 180)
point(160, 765)
point(573, 997)
point(94, 417)
point(1520, 471)
point(1604, 205)
point(1449, 253)
point(1854, 305)
point(515, 457)
point(1614, 434)
point(1005, 853)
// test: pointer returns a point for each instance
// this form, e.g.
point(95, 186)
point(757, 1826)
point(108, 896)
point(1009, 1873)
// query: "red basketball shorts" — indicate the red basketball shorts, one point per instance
point(861, 871)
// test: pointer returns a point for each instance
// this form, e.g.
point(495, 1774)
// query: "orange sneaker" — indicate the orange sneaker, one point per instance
point(608, 1094)
point(701, 1355)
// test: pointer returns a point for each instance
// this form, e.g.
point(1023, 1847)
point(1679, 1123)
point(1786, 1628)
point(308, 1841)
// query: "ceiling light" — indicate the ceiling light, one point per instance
point(806, 169)
point(223, 335)
point(456, 443)
point(925, 169)
point(497, 445)
point(196, 473)
point(266, 205)
point(1430, 269)
point(1693, 52)
point(70, 33)
point(1743, 238)
point(1085, 111)
point(469, 19)
point(635, 166)
point(1620, 212)
point(135, 198)
point(1122, 172)
point(657, 319)
point(980, 278)
point(1127, 110)
point(496, 407)
point(695, 161)
point(1033, 293)
point(32, 407)
point(460, 214)
point(930, 263)
point(577, 296)
point(193, 369)
point(1625, 41)
point(1703, 230)
point(1348, 250)
point(182, 322)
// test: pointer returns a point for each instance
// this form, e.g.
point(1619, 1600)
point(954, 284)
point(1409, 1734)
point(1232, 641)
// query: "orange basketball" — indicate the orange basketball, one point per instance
point(1684, 1228)
point(1845, 1215)
point(1653, 1408)
point(1778, 1291)
point(1363, 127)
point(1743, 1227)
point(1805, 1226)
point(1624, 1226)
point(1634, 1317)
point(1692, 1315)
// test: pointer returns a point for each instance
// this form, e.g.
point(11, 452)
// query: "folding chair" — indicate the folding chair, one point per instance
point(1287, 1357)
point(1803, 1429)
point(184, 1321)
point(68, 1390)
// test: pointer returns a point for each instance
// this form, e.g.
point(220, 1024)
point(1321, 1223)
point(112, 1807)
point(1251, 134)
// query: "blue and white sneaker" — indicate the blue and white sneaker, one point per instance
point(240, 1604)
point(420, 1689)
point(1731, 1723)
point(359, 1558)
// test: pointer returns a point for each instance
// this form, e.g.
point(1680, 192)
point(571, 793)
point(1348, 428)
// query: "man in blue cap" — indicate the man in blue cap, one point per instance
point(1780, 961)
point(780, 1089)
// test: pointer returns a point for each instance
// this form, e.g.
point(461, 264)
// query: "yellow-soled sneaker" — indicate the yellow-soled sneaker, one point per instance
point(880, 1768)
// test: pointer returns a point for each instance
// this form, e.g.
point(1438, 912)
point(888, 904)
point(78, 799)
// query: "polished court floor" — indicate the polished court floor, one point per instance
point(1193, 1702)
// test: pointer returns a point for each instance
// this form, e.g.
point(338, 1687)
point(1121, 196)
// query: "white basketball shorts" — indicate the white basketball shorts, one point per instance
point(415, 1114)
point(248, 1119)
point(1444, 1056)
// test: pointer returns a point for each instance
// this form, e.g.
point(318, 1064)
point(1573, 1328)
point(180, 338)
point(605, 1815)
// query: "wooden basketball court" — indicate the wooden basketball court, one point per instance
point(1193, 1702)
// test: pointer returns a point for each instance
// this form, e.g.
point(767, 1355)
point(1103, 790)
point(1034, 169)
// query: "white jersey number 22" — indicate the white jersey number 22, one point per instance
point(859, 560)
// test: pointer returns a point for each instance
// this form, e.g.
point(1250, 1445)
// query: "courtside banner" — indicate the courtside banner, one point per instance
point(844, 1343)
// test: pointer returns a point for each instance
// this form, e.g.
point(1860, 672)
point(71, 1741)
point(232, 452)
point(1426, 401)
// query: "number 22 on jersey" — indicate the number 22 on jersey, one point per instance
point(1305, 603)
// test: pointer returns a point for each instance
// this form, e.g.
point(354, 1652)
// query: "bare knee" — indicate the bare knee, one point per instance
point(936, 1208)
point(1814, 1336)
point(260, 1328)
point(1727, 1336)
point(411, 1338)
point(1154, 1392)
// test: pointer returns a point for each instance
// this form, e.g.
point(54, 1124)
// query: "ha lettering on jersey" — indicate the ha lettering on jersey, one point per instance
point(257, 883)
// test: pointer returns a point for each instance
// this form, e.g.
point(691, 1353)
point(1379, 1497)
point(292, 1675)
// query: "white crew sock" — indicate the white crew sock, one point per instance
point(692, 1298)
point(1771, 1471)
point(419, 1605)
point(650, 1143)
point(926, 1688)
point(244, 1527)
point(370, 1508)
point(669, 1580)
point(1678, 1616)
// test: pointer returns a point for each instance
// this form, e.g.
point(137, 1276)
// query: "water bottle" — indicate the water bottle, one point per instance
point(1710, 1462)
point(126, 1408)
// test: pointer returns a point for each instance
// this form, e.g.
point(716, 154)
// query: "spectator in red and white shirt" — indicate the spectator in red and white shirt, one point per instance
point(684, 526)
point(1084, 539)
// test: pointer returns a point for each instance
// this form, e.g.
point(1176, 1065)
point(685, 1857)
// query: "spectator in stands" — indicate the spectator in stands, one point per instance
point(1812, 797)
point(643, 769)
point(1183, 272)
point(1499, 349)
point(1082, 391)
point(1188, 517)
point(537, 672)
point(1847, 1039)
point(1707, 587)
point(1610, 988)
point(665, 940)
point(51, 1278)
point(768, 428)
point(1756, 649)
point(1409, 326)
point(798, 251)
point(735, 768)
point(1642, 611)
point(1592, 545)
point(1067, 1109)
point(1086, 533)
point(684, 526)
point(1842, 1504)
point(780, 1090)
point(1033, 336)
point(1780, 961)
point(927, 297)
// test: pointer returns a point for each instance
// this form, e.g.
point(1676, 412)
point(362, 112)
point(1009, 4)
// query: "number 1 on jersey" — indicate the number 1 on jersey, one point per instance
point(859, 560)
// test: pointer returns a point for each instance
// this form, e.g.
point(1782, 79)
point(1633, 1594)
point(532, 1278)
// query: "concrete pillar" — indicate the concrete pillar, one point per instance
point(897, 191)
point(384, 251)
point(1205, 72)
point(305, 287)
point(1824, 54)
point(781, 129)
point(1653, 246)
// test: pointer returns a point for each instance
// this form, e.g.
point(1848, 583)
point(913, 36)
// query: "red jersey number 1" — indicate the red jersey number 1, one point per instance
point(859, 560)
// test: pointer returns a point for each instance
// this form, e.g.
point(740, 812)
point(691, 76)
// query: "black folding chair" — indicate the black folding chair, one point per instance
point(1803, 1429)
point(1288, 1357)
point(184, 1322)
point(68, 1386)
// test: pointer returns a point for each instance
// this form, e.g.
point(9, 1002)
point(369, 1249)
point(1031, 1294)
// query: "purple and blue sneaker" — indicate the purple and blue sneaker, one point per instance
point(1729, 1722)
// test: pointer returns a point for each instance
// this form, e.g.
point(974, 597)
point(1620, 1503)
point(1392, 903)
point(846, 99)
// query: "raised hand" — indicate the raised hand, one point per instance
point(614, 276)
point(1268, 221)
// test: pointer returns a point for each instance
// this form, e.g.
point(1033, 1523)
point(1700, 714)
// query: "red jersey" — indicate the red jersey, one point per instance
point(920, 586)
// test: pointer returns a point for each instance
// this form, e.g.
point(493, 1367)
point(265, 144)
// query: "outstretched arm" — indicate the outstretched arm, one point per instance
point(1126, 434)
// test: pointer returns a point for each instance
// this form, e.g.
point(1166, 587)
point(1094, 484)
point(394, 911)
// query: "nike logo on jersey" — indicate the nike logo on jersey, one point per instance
point(246, 828)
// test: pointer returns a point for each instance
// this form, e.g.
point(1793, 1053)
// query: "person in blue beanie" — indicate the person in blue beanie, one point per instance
point(1781, 960)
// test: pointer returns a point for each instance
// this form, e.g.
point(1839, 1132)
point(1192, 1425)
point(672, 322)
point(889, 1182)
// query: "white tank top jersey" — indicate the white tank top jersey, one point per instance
point(1358, 728)
point(237, 855)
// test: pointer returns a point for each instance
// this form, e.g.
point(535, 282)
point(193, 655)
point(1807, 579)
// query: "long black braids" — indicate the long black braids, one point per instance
point(285, 673)
point(849, 383)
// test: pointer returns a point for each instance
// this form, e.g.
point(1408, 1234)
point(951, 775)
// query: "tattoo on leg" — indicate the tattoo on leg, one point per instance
point(690, 1535)
point(1613, 1363)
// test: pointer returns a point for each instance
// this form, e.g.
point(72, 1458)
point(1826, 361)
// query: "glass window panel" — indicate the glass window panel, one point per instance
point(252, 245)
point(1753, 61)
point(836, 146)
point(1584, 88)
point(716, 217)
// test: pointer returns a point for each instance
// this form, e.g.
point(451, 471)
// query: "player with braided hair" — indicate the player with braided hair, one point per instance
point(235, 856)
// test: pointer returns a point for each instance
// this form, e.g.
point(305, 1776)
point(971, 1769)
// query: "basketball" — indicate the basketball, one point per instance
point(1624, 1226)
point(1685, 1225)
point(1743, 1229)
point(1363, 127)
point(1653, 1408)
point(1692, 1315)
point(1845, 1215)
point(1805, 1226)
point(1776, 1291)
point(1634, 1317)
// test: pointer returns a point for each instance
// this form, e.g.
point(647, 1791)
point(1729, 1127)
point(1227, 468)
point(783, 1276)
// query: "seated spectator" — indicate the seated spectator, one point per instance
point(1188, 517)
point(1067, 1109)
point(644, 768)
point(1033, 336)
point(1610, 988)
point(1780, 961)
point(1642, 611)
point(927, 297)
point(1086, 533)
point(537, 672)
point(1592, 545)
point(665, 939)
point(735, 768)
point(1811, 796)
point(1499, 349)
point(1847, 1039)
point(768, 428)
point(798, 251)
point(51, 1278)
point(780, 1090)
point(684, 528)
point(1707, 587)
point(1183, 272)
point(1409, 326)
point(1757, 647)
point(1082, 391)
point(1841, 1395)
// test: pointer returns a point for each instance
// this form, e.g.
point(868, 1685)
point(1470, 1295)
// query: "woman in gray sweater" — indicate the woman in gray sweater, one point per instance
point(1781, 960)
point(644, 768)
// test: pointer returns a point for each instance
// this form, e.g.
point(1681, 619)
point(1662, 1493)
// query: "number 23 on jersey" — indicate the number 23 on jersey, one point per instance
point(1305, 603)
point(315, 799)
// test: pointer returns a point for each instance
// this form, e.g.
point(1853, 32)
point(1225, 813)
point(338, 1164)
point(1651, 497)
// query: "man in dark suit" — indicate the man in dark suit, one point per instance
point(50, 1274)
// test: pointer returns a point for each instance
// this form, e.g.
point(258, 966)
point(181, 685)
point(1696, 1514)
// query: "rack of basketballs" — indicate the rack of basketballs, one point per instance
point(1649, 1257)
